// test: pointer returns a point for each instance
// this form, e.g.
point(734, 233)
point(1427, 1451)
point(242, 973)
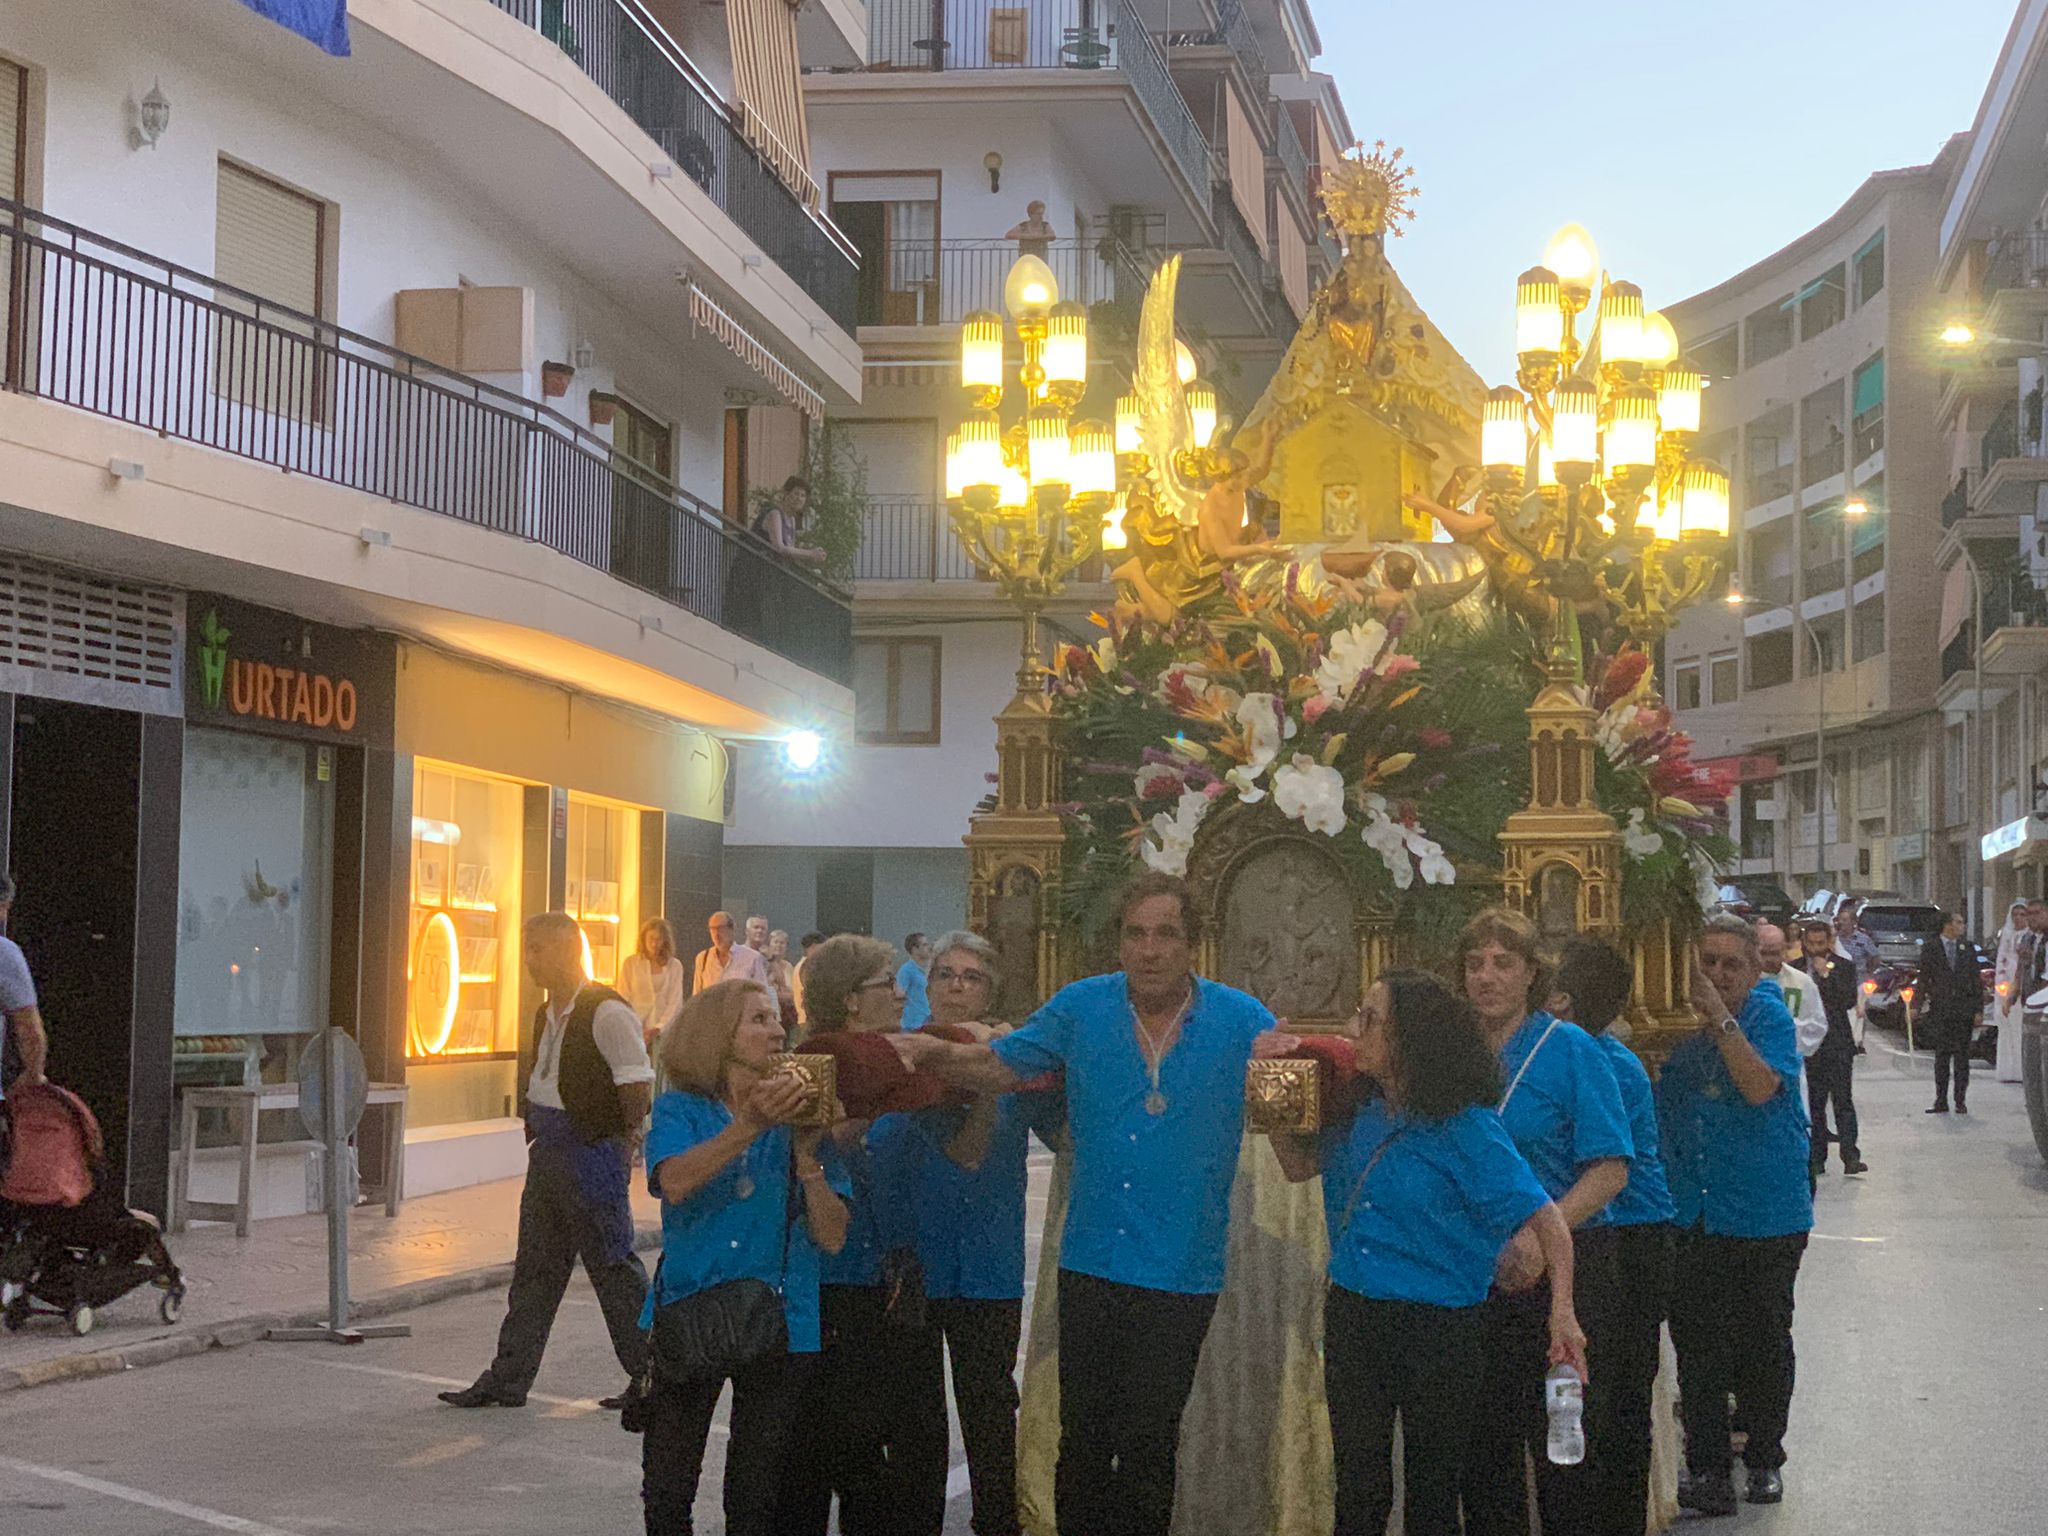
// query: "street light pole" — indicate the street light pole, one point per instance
point(1820, 764)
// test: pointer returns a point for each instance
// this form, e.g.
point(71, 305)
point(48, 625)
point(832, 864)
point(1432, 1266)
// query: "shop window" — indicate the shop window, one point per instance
point(1724, 684)
point(462, 969)
point(896, 691)
point(253, 901)
point(1685, 680)
point(602, 890)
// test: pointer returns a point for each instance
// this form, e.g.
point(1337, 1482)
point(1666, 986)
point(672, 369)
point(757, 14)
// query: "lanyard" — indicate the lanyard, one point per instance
point(1527, 1062)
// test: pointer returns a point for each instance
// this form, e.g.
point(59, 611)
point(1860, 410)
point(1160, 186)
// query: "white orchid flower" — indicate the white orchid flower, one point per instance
point(1311, 793)
point(1352, 655)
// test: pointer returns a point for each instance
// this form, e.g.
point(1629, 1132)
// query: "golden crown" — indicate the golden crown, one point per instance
point(1370, 194)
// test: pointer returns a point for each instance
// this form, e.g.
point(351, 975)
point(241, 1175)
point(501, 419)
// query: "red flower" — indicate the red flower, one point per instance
point(1435, 737)
point(1621, 677)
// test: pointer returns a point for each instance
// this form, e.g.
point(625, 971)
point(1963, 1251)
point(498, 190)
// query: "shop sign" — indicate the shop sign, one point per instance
point(264, 670)
point(1908, 846)
point(2012, 836)
point(1752, 768)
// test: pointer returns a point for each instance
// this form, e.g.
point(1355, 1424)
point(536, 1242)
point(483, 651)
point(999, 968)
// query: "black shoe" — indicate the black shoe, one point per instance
point(483, 1393)
point(1855, 1165)
point(1859, 1051)
point(1766, 1486)
point(1816, 1168)
point(1708, 1493)
point(1938, 1109)
point(1962, 1108)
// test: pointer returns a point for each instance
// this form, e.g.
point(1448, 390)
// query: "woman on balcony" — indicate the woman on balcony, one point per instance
point(783, 519)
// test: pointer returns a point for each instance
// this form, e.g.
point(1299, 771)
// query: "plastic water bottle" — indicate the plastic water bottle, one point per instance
point(1565, 1396)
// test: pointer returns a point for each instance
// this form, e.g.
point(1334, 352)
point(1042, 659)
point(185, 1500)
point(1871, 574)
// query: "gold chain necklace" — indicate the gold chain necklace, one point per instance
point(1154, 1050)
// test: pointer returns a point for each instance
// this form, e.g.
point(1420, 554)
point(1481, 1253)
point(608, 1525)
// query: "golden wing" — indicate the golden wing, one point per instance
point(1165, 426)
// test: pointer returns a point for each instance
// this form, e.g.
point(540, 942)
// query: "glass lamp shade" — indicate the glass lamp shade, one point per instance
point(1705, 513)
point(1130, 425)
point(1051, 457)
point(1678, 401)
point(980, 452)
point(1066, 346)
point(1621, 323)
point(1113, 534)
point(981, 351)
point(1091, 451)
point(1665, 519)
point(1572, 255)
point(1575, 423)
point(1539, 316)
point(1503, 434)
point(1202, 407)
point(1631, 438)
point(1660, 340)
point(1546, 464)
point(956, 469)
point(1013, 491)
point(1031, 289)
point(1184, 362)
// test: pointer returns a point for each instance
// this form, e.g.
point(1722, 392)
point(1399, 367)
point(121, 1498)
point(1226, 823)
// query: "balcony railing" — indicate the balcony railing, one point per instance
point(1767, 484)
point(2016, 261)
point(1824, 577)
point(1818, 463)
point(1955, 506)
point(1772, 591)
point(1048, 34)
point(1288, 151)
point(1233, 30)
point(1959, 655)
point(1233, 236)
point(2001, 438)
point(927, 282)
point(115, 331)
point(639, 66)
point(910, 541)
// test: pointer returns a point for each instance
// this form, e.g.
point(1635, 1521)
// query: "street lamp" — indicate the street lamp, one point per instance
point(1588, 456)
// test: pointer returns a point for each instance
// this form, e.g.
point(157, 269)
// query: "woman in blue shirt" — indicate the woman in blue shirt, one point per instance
point(722, 1156)
point(1563, 1109)
point(1421, 1192)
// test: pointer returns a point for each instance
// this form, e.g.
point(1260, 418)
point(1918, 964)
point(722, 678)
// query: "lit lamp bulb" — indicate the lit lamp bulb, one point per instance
point(1539, 316)
point(1678, 399)
point(1705, 514)
point(1130, 425)
point(1503, 432)
point(1184, 362)
point(981, 453)
point(1660, 340)
point(1575, 425)
point(1631, 440)
point(1051, 458)
point(1572, 255)
point(1013, 491)
point(1621, 324)
point(1066, 347)
point(1667, 519)
point(1202, 408)
point(1113, 535)
point(956, 469)
point(1091, 453)
point(1030, 290)
point(1546, 464)
point(981, 351)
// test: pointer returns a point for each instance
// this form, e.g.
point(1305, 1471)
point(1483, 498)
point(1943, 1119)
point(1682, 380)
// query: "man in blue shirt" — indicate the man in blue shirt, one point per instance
point(1155, 1059)
point(910, 976)
point(1736, 1155)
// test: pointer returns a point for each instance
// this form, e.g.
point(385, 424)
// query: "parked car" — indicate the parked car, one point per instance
point(1756, 897)
point(1900, 927)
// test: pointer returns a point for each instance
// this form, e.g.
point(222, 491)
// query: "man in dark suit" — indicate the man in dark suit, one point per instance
point(1952, 997)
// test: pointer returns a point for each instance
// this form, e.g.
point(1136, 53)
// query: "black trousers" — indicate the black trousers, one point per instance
point(1127, 1364)
point(1731, 1322)
point(574, 1206)
point(1512, 1428)
point(856, 1422)
point(1624, 1325)
point(1829, 1080)
point(981, 1339)
point(1958, 1060)
point(678, 1424)
point(1382, 1358)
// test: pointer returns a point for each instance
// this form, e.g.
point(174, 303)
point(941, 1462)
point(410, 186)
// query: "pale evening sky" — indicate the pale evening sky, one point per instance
point(1746, 123)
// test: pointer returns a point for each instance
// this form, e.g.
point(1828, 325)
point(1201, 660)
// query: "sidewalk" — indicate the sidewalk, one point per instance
point(439, 1245)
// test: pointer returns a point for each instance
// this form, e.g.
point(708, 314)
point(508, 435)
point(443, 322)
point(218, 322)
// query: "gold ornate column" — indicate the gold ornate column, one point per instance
point(1561, 855)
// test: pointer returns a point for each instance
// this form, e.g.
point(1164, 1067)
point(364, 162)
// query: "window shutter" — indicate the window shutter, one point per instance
point(10, 130)
point(267, 240)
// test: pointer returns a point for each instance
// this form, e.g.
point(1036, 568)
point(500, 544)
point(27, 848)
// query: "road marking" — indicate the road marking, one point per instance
point(447, 1450)
point(956, 1482)
point(136, 1496)
point(1839, 1237)
point(566, 1407)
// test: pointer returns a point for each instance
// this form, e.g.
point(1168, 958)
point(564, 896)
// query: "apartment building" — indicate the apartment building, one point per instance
point(1108, 134)
point(1815, 681)
point(1993, 556)
point(367, 578)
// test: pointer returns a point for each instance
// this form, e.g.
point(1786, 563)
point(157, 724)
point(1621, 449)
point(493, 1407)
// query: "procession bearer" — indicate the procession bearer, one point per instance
point(1155, 1059)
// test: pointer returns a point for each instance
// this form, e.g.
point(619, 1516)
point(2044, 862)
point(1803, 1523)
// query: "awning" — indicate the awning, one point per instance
point(1955, 601)
point(1869, 386)
point(1749, 768)
point(765, 74)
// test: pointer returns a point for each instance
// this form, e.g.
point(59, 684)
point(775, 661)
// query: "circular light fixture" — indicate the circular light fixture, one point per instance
point(1855, 507)
point(1957, 335)
point(436, 984)
point(803, 750)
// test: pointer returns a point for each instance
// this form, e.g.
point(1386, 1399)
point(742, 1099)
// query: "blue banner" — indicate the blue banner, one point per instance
point(320, 21)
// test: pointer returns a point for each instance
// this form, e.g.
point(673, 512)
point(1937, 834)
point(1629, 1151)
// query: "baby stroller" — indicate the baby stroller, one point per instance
point(67, 1244)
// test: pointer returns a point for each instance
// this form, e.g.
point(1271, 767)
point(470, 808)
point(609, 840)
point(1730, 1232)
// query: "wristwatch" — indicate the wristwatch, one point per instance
point(1727, 1026)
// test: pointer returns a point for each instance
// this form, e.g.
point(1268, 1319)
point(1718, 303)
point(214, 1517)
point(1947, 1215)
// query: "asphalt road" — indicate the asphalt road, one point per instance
point(1922, 1334)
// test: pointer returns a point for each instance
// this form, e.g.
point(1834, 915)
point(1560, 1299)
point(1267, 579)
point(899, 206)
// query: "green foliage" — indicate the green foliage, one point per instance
point(839, 493)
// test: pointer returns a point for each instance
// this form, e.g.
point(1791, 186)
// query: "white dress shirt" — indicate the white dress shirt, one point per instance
point(743, 964)
point(655, 995)
point(616, 1029)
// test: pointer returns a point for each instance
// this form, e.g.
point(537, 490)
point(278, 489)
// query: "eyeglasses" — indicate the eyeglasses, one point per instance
point(945, 974)
point(879, 981)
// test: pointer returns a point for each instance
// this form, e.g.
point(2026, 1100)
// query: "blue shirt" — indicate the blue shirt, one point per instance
point(1429, 1223)
point(1647, 1197)
point(1150, 1203)
point(878, 1171)
point(719, 1235)
point(917, 1003)
point(1739, 1168)
point(1566, 1111)
point(970, 1221)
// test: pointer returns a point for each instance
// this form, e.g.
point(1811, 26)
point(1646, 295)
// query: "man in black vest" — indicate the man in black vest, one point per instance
point(585, 1101)
point(1952, 1008)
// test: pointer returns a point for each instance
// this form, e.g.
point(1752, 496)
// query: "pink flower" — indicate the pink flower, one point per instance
point(1396, 664)
point(1435, 737)
point(1316, 708)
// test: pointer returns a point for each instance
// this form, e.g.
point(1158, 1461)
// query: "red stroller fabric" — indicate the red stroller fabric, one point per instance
point(56, 1142)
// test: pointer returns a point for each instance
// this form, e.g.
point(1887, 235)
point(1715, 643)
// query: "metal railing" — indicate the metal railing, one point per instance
point(910, 541)
point(1233, 30)
point(106, 328)
point(944, 35)
point(639, 66)
point(2016, 261)
point(1233, 235)
point(1292, 157)
point(927, 282)
point(1768, 483)
point(1772, 591)
point(2001, 438)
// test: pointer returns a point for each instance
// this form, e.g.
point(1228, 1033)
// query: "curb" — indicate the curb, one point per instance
point(236, 1332)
